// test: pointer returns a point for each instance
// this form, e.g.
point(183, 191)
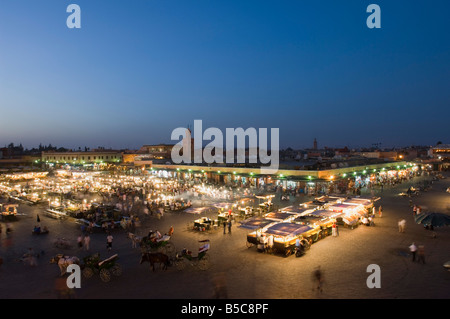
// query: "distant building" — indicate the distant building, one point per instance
point(158, 151)
point(90, 157)
point(441, 150)
point(392, 155)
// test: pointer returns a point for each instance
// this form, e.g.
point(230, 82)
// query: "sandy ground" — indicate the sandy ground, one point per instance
point(242, 272)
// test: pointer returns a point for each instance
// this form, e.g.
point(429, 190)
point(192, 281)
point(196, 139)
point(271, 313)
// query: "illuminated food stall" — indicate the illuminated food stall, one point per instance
point(8, 211)
point(204, 223)
point(321, 222)
point(55, 213)
point(366, 203)
point(279, 216)
point(326, 200)
point(266, 204)
point(351, 213)
point(285, 236)
point(345, 208)
point(301, 209)
point(328, 217)
point(257, 225)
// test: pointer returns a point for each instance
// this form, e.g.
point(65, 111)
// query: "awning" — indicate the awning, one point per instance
point(255, 223)
point(277, 216)
point(287, 229)
point(295, 210)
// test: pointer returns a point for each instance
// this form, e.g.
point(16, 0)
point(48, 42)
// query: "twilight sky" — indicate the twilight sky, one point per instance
point(136, 70)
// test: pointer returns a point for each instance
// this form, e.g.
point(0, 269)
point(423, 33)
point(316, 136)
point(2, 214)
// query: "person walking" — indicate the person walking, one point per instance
point(87, 240)
point(80, 242)
point(317, 277)
point(413, 250)
point(8, 229)
point(380, 211)
point(224, 226)
point(229, 226)
point(109, 240)
point(421, 254)
point(401, 226)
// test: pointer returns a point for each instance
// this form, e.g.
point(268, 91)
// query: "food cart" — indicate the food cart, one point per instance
point(328, 217)
point(299, 210)
point(257, 225)
point(280, 216)
point(54, 213)
point(204, 223)
point(324, 222)
point(267, 203)
point(245, 207)
point(367, 204)
point(8, 211)
point(326, 200)
point(285, 236)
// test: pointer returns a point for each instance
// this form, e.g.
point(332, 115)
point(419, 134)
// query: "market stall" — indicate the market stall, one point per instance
point(285, 236)
point(204, 223)
point(257, 225)
point(298, 210)
point(8, 211)
point(279, 216)
point(326, 200)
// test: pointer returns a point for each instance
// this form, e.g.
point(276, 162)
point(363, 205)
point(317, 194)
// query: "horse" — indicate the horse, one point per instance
point(153, 258)
point(64, 261)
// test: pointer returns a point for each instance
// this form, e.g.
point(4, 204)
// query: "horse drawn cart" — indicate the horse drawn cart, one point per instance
point(105, 268)
point(151, 244)
point(201, 260)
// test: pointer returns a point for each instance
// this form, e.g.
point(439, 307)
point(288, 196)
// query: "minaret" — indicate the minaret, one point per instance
point(315, 144)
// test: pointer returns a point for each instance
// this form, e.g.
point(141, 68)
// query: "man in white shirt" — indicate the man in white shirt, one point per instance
point(413, 250)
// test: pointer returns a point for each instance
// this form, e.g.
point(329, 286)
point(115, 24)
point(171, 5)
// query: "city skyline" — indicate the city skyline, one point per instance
point(313, 146)
point(135, 72)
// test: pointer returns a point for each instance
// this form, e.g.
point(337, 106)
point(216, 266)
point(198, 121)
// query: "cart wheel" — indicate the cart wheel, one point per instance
point(116, 270)
point(88, 272)
point(204, 264)
point(169, 249)
point(105, 275)
point(180, 264)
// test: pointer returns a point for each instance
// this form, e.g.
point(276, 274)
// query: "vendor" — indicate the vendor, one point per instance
point(365, 221)
point(270, 242)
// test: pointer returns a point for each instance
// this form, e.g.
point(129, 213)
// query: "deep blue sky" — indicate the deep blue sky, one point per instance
point(138, 69)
